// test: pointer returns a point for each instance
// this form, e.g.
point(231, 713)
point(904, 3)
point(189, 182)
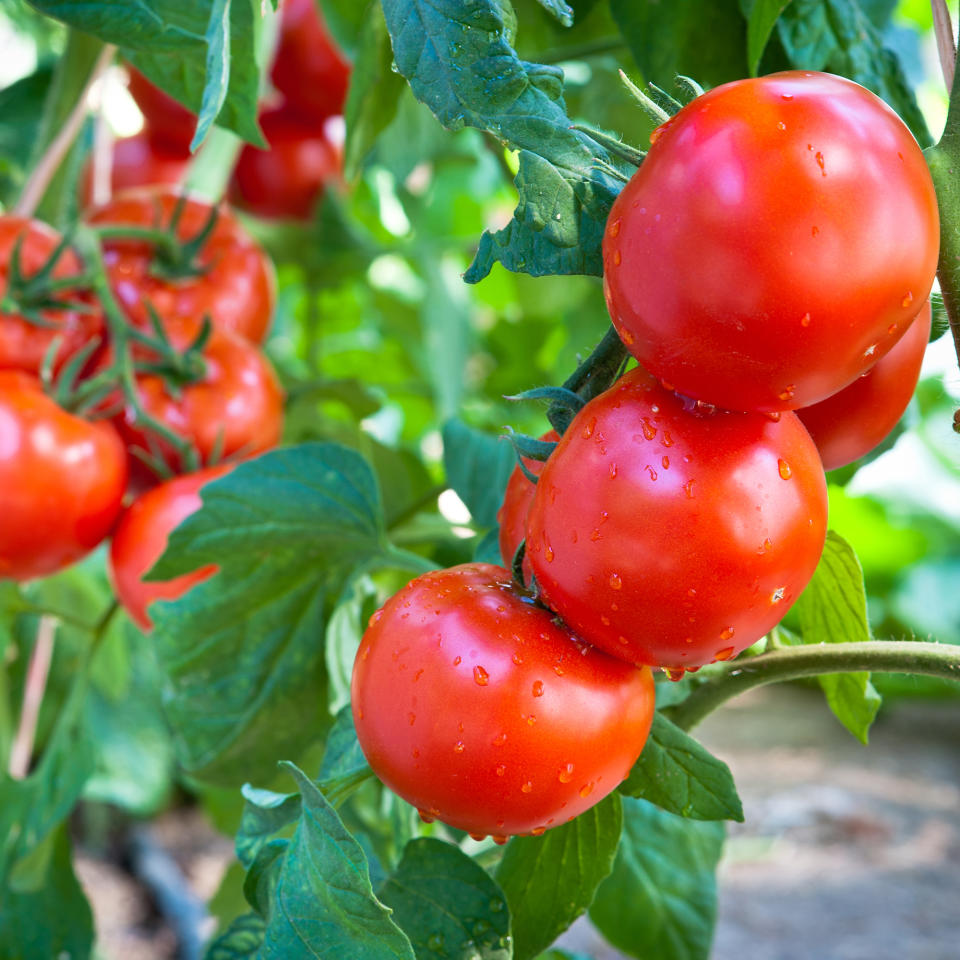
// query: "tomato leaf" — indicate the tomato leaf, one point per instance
point(762, 16)
point(264, 813)
point(343, 758)
point(681, 776)
point(459, 61)
point(833, 609)
point(447, 904)
point(242, 940)
point(241, 652)
point(478, 466)
point(218, 69)
point(557, 8)
point(550, 880)
point(660, 900)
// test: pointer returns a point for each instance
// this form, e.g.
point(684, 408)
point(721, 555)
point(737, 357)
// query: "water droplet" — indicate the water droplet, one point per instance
point(688, 489)
point(605, 620)
point(457, 660)
point(478, 836)
point(765, 546)
point(496, 904)
point(517, 659)
point(501, 769)
point(613, 471)
point(674, 673)
point(665, 462)
point(667, 439)
point(622, 639)
point(689, 640)
point(819, 159)
point(418, 675)
point(781, 125)
point(805, 320)
point(527, 787)
point(788, 391)
point(531, 718)
point(588, 428)
point(784, 468)
point(651, 471)
point(595, 535)
point(538, 688)
point(375, 618)
point(907, 300)
point(586, 790)
point(547, 550)
point(538, 831)
point(627, 337)
point(360, 712)
point(778, 594)
point(499, 840)
point(814, 230)
point(558, 670)
point(727, 652)
point(573, 536)
point(616, 582)
point(566, 773)
point(412, 718)
point(892, 328)
point(425, 816)
point(617, 258)
point(459, 747)
point(726, 634)
point(870, 351)
point(773, 415)
point(500, 739)
point(649, 430)
point(787, 96)
point(480, 676)
point(615, 227)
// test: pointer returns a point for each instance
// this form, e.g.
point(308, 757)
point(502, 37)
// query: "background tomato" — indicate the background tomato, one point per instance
point(141, 537)
point(62, 480)
point(670, 538)
point(169, 124)
point(236, 285)
point(474, 705)
point(23, 344)
point(775, 243)
point(854, 421)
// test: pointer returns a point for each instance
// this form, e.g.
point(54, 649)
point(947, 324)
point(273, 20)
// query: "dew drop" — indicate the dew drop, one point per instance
point(613, 471)
point(727, 652)
point(781, 125)
point(566, 773)
point(530, 718)
point(538, 831)
point(667, 439)
point(726, 634)
point(617, 258)
point(586, 790)
point(538, 688)
point(412, 718)
point(688, 489)
point(773, 415)
point(651, 471)
point(615, 227)
point(588, 428)
point(665, 462)
point(527, 787)
point(805, 320)
point(480, 676)
point(604, 619)
point(459, 747)
point(649, 430)
point(499, 840)
point(457, 661)
point(907, 300)
point(786, 96)
point(892, 328)
point(627, 337)
point(784, 468)
point(517, 659)
point(766, 546)
point(425, 817)
point(616, 582)
point(788, 391)
point(814, 230)
point(819, 159)
point(501, 769)
point(778, 594)
point(500, 739)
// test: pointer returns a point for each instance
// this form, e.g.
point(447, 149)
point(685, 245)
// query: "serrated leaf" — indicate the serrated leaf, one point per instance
point(833, 609)
point(550, 880)
point(478, 466)
point(762, 16)
point(660, 900)
point(265, 812)
point(681, 776)
point(447, 904)
point(242, 652)
point(557, 8)
point(240, 941)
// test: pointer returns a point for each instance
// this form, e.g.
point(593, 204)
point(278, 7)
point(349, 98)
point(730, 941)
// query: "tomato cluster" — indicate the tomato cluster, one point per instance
point(770, 255)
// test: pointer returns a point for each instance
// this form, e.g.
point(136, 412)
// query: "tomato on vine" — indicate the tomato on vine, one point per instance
point(479, 708)
point(777, 241)
point(168, 124)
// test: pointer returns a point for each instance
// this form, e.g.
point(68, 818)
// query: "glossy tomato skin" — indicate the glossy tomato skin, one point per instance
point(288, 179)
point(775, 243)
point(168, 124)
point(237, 289)
point(23, 345)
point(671, 538)
point(61, 481)
point(858, 418)
point(309, 69)
point(477, 707)
point(141, 538)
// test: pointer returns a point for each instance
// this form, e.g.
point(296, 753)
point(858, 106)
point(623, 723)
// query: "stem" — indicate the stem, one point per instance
point(162, 240)
point(101, 163)
point(881, 656)
point(946, 49)
point(36, 684)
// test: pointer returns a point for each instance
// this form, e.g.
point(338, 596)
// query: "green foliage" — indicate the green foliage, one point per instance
point(478, 467)
point(762, 16)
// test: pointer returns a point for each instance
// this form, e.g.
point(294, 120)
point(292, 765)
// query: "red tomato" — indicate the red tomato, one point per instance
point(476, 706)
point(309, 69)
point(61, 481)
point(141, 538)
point(23, 345)
point(288, 179)
point(236, 409)
point(138, 161)
point(670, 538)
point(854, 421)
point(512, 515)
point(775, 243)
point(169, 124)
point(236, 288)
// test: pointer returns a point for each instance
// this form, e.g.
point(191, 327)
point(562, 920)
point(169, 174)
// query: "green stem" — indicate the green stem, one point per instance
point(163, 241)
point(880, 656)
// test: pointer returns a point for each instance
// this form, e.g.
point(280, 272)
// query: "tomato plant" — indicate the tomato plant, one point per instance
point(474, 706)
point(169, 124)
point(786, 224)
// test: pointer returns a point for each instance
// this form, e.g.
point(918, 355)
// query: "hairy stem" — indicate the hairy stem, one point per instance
point(36, 684)
point(946, 49)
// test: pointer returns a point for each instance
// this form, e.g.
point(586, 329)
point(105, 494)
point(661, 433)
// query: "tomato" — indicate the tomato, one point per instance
point(235, 410)
point(23, 344)
point(141, 538)
point(169, 124)
point(138, 161)
point(288, 179)
point(858, 418)
point(776, 242)
point(512, 515)
point(476, 706)
point(309, 69)
point(236, 285)
point(61, 480)
point(671, 538)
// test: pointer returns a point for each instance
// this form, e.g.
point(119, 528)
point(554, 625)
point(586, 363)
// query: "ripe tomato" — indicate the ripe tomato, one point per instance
point(235, 289)
point(61, 480)
point(236, 409)
point(477, 707)
point(309, 69)
point(288, 179)
point(670, 538)
point(23, 345)
point(169, 124)
point(138, 161)
point(854, 421)
point(141, 538)
point(513, 512)
point(775, 243)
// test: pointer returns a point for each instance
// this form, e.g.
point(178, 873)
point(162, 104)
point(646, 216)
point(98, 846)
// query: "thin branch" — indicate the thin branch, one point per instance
point(946, 47)
point(101, 161)
point(36, 684)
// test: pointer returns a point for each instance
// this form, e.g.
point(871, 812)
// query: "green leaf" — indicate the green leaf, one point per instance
point(550, 880)
point(833, 609)
point(324, 905)
point(447, 904)
point(242, 940)
point(242, 652)
point(264, 813)
point(344, 631)
point(21, 109)
point(682, 777)
point(478, 466)
point(459, 61)
point(557, 8)
point(218, 69)
point(660, 901)
point(762, 16)
point(343, 758)
point(838, 36)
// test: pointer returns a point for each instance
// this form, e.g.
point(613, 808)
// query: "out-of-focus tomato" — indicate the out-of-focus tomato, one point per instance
point(169, 124)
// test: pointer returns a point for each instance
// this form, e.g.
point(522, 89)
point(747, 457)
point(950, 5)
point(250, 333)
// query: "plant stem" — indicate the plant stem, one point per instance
point(946, 49)
point(36, 684)
point(881, 656)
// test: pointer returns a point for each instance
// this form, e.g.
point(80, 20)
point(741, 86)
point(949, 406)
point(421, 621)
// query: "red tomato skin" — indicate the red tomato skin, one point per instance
point(61, 481)
point(287, 180)
point(169, 124)
point(670, 538)
point(775, 243)
point(141, 538)
point(858, 418)
point(237, 291)
point(23, 345)
point(309, 69)
point(477, 707)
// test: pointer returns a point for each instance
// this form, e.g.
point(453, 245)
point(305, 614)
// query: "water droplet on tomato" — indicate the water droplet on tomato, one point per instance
point(457, 661)
point(588, 428)
point(531, 718)
point(788, 391)
point(480, 676)
point(814, 230)
point(517, 659)
point(412, 718)
point(499, 840)
point(500, 739)
point(781, 125)
point(784, 469)
point(605, 620)
point(501, 769)
point(688, 489)
point(665, 462)
point(805, 320)
point(615, 227)
point(425, 817)
point(626, 336)
point(649, 430)
point(566, 773)
point(726, 634)
point(538, 688)
point(667, 439)
point(617, 258)
point(613, 471)
point(527, 787)
point(459, 747)
point(538, 831)
point(778, 594)
point(674, 673)
point(616, 583)
point(478, 836)
point(787, 96)
point(819, 159)
point(651, 471)
point(586, 790)
point(907, 300)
